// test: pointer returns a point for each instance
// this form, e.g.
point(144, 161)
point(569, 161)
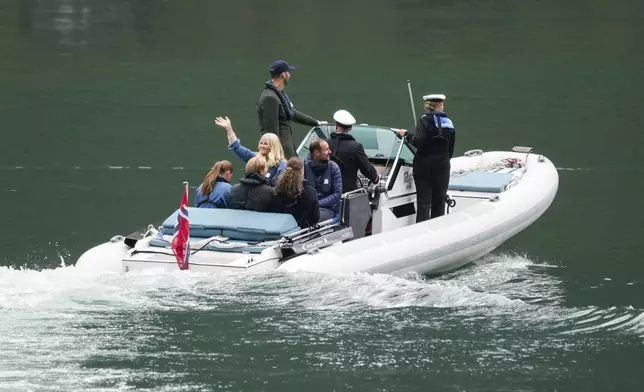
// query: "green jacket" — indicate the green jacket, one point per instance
point(275, 113)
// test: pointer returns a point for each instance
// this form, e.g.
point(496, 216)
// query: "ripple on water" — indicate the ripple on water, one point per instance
point(90, 329)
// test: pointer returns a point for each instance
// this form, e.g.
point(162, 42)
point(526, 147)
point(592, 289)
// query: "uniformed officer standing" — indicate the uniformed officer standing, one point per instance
point(434, 140)
point(349, 154)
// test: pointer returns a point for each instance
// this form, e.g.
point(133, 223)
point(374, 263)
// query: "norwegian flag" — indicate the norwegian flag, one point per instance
point(181, 236)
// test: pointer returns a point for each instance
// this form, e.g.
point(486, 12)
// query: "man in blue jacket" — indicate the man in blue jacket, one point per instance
point(325, 177)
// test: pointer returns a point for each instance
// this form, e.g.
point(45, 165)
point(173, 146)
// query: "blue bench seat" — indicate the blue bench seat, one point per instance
point(480, 181)
point(240, 225)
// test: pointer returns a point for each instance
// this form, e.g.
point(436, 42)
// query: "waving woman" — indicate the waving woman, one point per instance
point(269, 148)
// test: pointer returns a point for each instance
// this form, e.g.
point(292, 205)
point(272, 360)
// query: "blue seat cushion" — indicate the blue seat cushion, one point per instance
point(161, 243)
point(235, 224)
point(480, 181)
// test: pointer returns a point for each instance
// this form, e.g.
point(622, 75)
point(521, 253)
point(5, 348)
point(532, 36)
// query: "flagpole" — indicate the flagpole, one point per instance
point(185, 183)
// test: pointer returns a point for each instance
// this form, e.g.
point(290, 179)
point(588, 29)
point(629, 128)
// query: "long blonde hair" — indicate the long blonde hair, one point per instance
point(275, 150)
point(291, 183)
point(209, 181)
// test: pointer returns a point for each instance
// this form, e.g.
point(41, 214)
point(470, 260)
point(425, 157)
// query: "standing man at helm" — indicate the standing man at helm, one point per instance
point(349, 154)
point(434, 140)
point(275, 111)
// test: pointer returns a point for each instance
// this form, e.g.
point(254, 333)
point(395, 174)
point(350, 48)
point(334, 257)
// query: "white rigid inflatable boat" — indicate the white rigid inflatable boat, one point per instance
point(492, 196)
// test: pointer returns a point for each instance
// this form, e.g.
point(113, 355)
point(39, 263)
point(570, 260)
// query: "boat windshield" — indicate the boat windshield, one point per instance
point(378, 142)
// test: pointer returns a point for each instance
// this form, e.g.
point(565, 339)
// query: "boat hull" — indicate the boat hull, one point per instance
point(452, 241)
point(478, 223)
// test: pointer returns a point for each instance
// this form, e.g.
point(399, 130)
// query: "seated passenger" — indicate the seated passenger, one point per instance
point(214, 192)
point(269, 147)
point(295, 196)
point(325, 177)
point(253, 192)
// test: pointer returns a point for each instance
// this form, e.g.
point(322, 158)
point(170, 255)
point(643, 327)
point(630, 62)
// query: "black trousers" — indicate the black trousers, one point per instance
point(431, 179)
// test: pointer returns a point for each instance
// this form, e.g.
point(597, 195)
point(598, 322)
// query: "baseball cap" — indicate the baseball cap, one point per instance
point(280, 66)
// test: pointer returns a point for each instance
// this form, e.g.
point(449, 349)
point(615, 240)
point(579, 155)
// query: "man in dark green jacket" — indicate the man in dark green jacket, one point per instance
point(275, 110)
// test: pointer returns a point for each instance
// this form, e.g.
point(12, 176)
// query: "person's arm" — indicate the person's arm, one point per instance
point(452, 142)
point(304, 119)
point(269, 114)
point(417, 139)
point(241, 152)
point(197, 196)
point(313, 205)
point(225, 123)
point(281, 166)
point(336, 190)
point(224, 200)
point(234, 143)
point(269, 199)
point(366, 168)
point(227, 202)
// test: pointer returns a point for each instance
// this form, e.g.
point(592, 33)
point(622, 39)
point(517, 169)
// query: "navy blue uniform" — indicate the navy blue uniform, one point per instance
point(434, 140)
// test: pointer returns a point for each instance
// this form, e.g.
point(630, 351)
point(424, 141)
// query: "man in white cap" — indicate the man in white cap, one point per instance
point(349, 154)
point(434, 140)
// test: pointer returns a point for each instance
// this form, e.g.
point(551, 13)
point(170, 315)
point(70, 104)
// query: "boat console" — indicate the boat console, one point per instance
point(393, 199)
point(385, 150)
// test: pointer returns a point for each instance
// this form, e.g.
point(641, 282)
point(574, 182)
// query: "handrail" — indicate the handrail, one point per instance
point(344, 195)
point(393, 167)
point(310, 230)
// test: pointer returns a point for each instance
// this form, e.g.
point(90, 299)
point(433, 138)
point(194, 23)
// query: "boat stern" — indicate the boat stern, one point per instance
point(105, 257)
point(206, 261)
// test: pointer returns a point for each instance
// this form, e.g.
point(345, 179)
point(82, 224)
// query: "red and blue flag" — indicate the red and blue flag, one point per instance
point(181, 237)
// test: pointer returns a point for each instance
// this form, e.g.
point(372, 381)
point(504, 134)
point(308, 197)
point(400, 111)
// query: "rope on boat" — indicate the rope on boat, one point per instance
point(449, 202)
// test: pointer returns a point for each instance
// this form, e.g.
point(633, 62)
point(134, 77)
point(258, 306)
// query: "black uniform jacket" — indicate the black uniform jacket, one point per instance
point(433, 143)
point(350, 156)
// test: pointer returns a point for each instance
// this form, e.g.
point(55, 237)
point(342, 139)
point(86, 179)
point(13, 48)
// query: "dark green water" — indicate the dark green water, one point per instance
point(107, 106)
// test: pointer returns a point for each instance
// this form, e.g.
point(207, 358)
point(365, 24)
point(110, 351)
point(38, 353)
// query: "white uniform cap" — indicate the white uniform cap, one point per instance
point(434, 97)
point(343, 117)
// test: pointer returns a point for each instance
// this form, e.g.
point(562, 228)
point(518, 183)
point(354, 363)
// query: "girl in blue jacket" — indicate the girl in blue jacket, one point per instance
point(214, 192)
point(269, 147)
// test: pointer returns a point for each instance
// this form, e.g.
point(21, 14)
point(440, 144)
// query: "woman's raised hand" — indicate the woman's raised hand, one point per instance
point(223, 122)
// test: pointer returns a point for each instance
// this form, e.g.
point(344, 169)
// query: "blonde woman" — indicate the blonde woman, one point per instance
point(253, 192)
point(269, 147)
point(214, 192)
